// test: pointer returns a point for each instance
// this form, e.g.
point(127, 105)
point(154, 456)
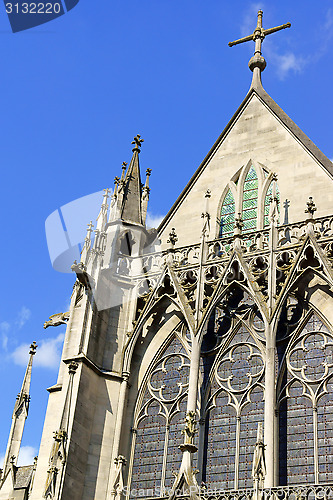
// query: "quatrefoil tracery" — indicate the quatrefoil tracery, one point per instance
point(242, 366)
point(311, 359)
point(168, 382)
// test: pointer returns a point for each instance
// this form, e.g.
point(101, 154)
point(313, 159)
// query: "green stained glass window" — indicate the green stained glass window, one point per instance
point(250, 201)
point(227, 215)
point(267, 202)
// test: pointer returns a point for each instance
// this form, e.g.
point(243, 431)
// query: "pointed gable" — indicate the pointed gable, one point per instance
point(262, 132)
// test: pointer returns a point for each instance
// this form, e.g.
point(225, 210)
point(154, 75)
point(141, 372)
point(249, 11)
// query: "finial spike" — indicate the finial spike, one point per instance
point(33, 348)
point(123, 168)
point(173, 238)
point(145, 196)
point(137, 141)
point(311, 207)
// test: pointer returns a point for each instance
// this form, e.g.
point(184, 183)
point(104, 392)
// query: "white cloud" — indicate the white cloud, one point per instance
point(4, 328)
point(286, 63)
point(153, 220)
point(47, 356)
point(23, 316)
point(27, 455)
point(250, 19)
point(329, 20)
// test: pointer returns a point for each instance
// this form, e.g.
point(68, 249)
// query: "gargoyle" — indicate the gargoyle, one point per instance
point(57, 319)
point(80, 270)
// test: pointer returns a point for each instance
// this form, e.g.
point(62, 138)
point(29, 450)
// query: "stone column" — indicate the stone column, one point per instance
point(117, 434)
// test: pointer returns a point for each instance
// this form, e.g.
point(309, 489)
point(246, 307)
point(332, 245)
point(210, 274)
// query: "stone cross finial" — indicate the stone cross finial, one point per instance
point(137, 141)
point(33, 348)
point(311, 207)
point(258, 36)
point(89, 228)
point(148, 172)
point(120, 460)
point(173, 238)
point(72, 367)
point(239, 224)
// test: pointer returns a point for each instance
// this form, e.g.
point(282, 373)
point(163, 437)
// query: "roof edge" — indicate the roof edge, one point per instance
point(286, 121)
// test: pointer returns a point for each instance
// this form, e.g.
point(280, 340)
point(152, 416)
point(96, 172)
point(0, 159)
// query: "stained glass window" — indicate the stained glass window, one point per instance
point(252, 414)
point(149, 448)
point(174, 454)
point(161, 420)
point(268, 202)
point(219, 469)
point(325, 435)
point(296, 438)
point(306, 409)
point(250, 201)
point(227, 216)
point(236, 406)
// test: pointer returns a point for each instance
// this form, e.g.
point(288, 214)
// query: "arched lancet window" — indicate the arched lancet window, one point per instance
point(306, 407)
point(250, 201)
point(159, 421)
point(234, 399)
point(252, 196)
point(227, 216)
point(268, 202)
point(235, 407)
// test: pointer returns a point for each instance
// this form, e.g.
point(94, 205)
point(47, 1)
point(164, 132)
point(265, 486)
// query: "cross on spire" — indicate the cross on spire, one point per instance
point(137, 141)
point(257, 61)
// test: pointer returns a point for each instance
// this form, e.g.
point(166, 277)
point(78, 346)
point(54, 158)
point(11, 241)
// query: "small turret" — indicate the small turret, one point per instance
point(131, 207)
point(129, 202)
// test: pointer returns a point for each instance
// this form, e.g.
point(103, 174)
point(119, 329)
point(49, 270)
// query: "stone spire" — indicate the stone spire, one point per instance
point(20, 413)
point(257, 63)
point(132, 189)
point(129, 202)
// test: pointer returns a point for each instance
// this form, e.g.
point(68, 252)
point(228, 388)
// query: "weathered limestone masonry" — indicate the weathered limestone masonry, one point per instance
point(198, 358)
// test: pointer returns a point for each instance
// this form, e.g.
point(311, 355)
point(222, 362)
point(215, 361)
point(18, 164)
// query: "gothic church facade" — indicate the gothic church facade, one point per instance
point(198, 357)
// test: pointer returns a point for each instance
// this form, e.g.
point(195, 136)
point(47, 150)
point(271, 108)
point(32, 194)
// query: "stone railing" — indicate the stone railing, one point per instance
point(219, 249)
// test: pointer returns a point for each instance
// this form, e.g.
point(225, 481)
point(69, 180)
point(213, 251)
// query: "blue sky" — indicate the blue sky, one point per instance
point(75, 91)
